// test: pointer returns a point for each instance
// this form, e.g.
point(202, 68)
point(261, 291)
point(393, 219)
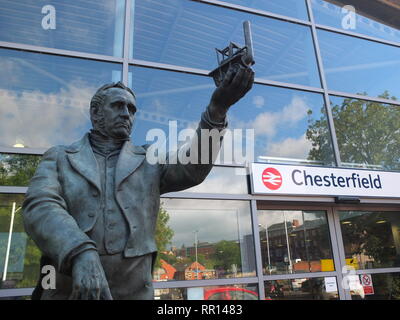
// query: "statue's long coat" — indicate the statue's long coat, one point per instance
point(62, 202)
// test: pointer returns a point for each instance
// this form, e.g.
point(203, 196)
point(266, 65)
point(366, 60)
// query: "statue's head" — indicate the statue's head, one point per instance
point(112, 110)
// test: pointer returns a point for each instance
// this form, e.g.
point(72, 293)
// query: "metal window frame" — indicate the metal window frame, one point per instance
point(333, 219)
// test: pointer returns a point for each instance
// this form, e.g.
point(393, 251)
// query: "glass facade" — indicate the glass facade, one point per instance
point(198, 248)
point(371, 238)
point(95, 27)
point(325, 94)
point(236, 292)
point(300, 289)
point(358, 125)
point(295, 241)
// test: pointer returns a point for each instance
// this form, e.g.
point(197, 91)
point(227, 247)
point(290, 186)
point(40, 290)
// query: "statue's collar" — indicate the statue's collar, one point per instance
point(85, 143)
point(103, 144)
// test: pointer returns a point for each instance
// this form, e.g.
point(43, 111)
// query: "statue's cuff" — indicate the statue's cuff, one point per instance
point(66, 268)
point(211, 124)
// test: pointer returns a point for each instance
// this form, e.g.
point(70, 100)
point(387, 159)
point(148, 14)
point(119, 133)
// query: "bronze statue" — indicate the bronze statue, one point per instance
point(92, 206)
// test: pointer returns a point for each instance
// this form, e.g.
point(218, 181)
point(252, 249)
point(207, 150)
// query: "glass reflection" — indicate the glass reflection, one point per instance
point(223, 180)
point(371, 238)
point(367, 133)
point(301, 289)
point(229, 292)
point(294, 241)
point(291, 8)
point(360, 66)
point(365, 20)
point(95, 27)
point(185, 33)
point(193, 246)
point(279, 118)
point(51, 105)
point(17, 169)
point(384, 286)
point(20, 268)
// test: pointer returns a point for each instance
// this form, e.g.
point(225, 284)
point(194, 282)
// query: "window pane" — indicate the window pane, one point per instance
point(89, 26)
point(23, 263)
point(279, 119)
point(367, 133)
point(360, 66)
point(371, 238)
point(384, 286)
point(299, 289)
point(290, 126)
point(366, 19)
point(229, 292)
point(223, 180)
point(17, 169)
point(44, 99)
point(295, 241)
point(185, 33)
point(292, 8)
point(192, 245)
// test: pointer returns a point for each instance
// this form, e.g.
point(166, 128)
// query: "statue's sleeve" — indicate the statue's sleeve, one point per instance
point(46, 218)
point(203, 148)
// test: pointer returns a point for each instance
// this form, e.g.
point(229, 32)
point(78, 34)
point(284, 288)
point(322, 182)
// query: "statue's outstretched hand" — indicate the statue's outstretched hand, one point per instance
point(238, 81)
point(88, 279)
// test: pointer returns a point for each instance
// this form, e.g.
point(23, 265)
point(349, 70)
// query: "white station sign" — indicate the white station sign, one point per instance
point(305, 180)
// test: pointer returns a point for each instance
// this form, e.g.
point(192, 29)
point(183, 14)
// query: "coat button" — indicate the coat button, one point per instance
point(111, 226)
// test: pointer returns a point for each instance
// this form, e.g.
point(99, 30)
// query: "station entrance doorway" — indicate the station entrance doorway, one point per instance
point(330, 251)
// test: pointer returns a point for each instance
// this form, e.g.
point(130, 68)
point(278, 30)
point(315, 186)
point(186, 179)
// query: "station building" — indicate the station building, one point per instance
point(315, 214)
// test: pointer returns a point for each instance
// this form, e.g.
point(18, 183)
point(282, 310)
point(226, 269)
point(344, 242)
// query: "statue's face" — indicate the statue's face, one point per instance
point(118, 113)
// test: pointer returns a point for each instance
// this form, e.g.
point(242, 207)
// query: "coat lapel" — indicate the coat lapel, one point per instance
point(82, 159)
point(130, 158)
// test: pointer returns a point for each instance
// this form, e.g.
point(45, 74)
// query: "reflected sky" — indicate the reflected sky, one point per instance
point(44, 99)
point(50, 106)
point(279, 117)
point(88, 26)
point(331, 15)
point(292, 8)
point(359, 66)
point(186, 33)
point(223, 180)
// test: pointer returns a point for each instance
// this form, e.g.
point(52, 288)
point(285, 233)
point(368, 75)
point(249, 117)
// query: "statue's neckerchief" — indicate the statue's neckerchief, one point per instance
point(105, 144)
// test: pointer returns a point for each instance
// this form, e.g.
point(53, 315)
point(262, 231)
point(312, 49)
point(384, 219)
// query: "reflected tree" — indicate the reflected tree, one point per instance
point(17, 169)
point(367, 133)
point(227, 254)
point(163, 236)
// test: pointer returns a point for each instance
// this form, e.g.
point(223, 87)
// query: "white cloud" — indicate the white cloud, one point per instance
point(268, 123)
point(40, 120)
point(290, 148)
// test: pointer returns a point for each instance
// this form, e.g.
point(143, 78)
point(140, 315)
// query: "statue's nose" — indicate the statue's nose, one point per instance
point(125, 111)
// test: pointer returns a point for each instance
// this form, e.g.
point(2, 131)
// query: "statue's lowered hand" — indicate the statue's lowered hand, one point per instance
point(237, 82)
point(88, 279)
